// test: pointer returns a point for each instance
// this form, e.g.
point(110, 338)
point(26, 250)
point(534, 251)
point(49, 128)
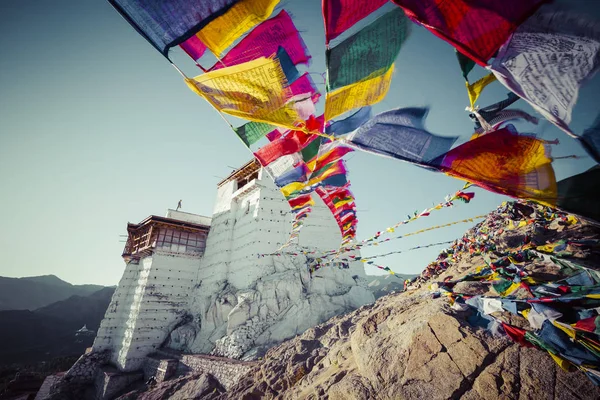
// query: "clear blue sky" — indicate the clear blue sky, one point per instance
point(97, 129)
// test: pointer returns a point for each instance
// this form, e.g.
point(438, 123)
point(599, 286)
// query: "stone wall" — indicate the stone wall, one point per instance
point(226, 370)
point(159, 367)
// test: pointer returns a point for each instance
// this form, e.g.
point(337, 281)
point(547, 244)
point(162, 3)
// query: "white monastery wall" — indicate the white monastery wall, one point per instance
point(231, 301)
point(244, 302)
point(152, 297)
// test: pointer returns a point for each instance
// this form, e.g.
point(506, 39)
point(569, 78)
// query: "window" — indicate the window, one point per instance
point(180, 241)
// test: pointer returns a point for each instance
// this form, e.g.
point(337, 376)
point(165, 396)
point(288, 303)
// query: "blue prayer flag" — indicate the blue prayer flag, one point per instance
point(167, 23)
point(400, 134)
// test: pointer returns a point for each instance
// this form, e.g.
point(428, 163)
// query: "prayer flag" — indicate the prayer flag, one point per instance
point(476, 28)
point(265, 39)
point(339, 15)
point(466, 64)
point(167, 23)
point(504, 162)
point(193, 47)
point(363, 56)
point(346, 125)
point(252, 132)
point(220, 33)
point(474, 89)
point(255, 90)
point(301, 201)
point(400, 134)
point(547, 59)
point(298, 174)
point(357, 95)
point(293, 142)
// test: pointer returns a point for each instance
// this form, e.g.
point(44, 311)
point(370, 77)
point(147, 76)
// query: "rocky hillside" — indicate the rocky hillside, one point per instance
point(429, 343)
point(33, 292)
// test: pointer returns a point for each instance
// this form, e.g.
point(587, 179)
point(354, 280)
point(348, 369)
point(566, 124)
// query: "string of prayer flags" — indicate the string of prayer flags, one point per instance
point(474, 89)
point(476, 28)
point(362, 56)
point(255, 91)
point(347, 125)
point(504, 162)
point(360, 94)
point(400, 134)
point(193, 47)
point(339, 15)
point(265, 39)
point(165, 26)
point(553, 50)
point(244, 15)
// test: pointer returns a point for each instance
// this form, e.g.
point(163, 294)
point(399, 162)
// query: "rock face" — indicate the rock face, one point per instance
point(412, 346)
point(188, 387)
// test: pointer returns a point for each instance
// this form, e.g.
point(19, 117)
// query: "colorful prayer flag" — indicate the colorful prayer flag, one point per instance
point(220, 33)
point(193, 47)
point(265, 39)
point(474, 89)
point(476, 28)
point(293, 142)
point(547, 59)
point(357, 95)
point(504, 162)
point(339, 15)
point(252, 132)
point(400, 134)
point(168, 23)
point(346, 125)
point(255, 90)
point(363, 55)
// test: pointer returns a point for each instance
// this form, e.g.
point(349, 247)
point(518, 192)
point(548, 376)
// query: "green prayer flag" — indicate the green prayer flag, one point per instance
point(311, 151)
point(369, 52)
point(466, 64)
point(252, 132)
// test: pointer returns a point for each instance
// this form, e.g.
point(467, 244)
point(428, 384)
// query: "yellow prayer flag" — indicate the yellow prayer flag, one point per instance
point(476, 88)
point(562, 363)
point(244, 15)
point(255, 91)
point(341, 203)
point(360, 94)
point(291, 188)
point(565, 328)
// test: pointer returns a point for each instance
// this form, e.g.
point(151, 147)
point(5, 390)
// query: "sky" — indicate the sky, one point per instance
point(97, 129)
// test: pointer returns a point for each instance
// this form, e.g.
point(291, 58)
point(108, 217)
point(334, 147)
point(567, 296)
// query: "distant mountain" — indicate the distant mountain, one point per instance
point(34, 292)
point(48, 332)
point(382, 285)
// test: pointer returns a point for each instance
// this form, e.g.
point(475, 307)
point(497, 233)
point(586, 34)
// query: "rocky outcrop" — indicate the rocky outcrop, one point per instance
point(414, 346)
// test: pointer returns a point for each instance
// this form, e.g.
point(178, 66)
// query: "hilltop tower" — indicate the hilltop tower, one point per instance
point(162, 256)
point(201, 285)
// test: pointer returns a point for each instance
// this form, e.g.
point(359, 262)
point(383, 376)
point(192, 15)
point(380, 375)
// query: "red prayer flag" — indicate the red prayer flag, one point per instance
point(293, 142)
point(516, 334)
point(340, 15)
point(476, 28)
